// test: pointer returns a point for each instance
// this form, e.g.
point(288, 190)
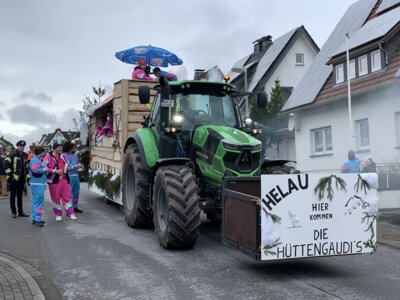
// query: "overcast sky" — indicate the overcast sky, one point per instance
point(52, 51)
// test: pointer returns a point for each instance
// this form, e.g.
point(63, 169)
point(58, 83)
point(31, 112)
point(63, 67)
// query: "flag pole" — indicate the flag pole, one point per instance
point(349, 93)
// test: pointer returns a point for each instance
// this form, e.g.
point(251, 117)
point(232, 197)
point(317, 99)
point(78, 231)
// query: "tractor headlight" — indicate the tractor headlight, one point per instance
point(177, 119)
point(230, 146)
point(256, 146)
point(248, 121)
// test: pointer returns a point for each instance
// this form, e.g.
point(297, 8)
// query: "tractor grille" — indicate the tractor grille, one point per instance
point(243, 162)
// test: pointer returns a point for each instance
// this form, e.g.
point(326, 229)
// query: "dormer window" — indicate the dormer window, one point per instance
point(362, 65)
point(339, 73)
point(376, 63)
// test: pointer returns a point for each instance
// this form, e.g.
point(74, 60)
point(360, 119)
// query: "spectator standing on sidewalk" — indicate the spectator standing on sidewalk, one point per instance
point(352, 165)
point(37, 170)
point(368, 165)
point(73, 165)
point(16, 168)
point(3, 177)
point(58, 182)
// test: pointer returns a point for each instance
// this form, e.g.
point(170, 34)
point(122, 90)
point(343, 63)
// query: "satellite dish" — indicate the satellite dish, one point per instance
point(291, 122)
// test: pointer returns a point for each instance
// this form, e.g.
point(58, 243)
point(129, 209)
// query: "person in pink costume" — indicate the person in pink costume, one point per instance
point(106, 130)
point(139, 72)
point(58, 182)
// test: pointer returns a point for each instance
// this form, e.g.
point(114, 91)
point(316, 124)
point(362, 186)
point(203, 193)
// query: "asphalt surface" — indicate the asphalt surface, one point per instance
point(27, 271)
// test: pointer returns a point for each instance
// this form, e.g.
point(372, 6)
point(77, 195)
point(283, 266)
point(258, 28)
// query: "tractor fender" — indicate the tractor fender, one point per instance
point(147, 146)
point(278, 162)
point(277, 167)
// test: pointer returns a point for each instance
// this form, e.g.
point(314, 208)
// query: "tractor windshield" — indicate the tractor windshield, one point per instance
point(202, 109)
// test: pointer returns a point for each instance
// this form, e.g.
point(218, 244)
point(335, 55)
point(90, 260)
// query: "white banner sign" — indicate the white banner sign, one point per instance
point(308, 215)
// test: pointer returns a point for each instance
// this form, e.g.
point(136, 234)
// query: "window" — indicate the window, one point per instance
point(362, 134)
point(352, 69)
point(376, 63)
point(299, 59)
point(286, 92)
point(362, 65)
point(339, 73)
point(397, 127)
point(321, 140)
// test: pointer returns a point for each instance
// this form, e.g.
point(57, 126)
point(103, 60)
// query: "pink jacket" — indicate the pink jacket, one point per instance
point(139, 74)
point(53, 162)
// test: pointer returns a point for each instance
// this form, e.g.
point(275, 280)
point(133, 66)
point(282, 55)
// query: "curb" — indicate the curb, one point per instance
point(33, 286)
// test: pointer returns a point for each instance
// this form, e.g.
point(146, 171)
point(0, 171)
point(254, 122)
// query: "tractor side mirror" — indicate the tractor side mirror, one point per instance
point(262, 99)
point(144, 94)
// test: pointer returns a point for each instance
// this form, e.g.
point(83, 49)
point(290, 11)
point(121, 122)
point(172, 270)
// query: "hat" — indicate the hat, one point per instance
point(141, 62)
point(57, 143)
point(21, 143)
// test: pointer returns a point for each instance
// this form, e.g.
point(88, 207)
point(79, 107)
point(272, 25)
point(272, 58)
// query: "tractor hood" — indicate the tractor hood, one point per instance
point(231, 137)
point(222, 150)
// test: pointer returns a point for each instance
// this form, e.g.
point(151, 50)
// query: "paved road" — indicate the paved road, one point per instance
point(99, 257)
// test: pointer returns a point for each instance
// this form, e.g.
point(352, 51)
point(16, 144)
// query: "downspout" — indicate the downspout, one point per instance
point(384, 51)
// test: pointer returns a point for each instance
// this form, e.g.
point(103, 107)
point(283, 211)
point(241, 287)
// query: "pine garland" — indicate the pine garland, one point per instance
point(111, 188)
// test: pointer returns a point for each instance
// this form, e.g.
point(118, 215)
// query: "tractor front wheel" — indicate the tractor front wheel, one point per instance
point(176, 208)
point(135, 189)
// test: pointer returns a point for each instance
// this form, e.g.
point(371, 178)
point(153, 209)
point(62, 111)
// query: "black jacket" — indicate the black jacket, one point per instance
point(16, 166)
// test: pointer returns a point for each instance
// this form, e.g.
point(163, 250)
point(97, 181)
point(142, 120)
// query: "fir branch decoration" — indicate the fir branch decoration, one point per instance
point(325, 183)
point(370, 222)
point(267, 250)
point(275, 218)
point(361, 184)
point(111, 188)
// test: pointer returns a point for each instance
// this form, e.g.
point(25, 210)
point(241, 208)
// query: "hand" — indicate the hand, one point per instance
point(59, 172)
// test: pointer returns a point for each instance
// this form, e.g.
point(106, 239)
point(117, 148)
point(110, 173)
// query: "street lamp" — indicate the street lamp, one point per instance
point(243, 70)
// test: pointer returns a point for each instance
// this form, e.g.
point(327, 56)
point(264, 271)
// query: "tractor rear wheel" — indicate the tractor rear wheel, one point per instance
point(176, 207)
point(135, 190)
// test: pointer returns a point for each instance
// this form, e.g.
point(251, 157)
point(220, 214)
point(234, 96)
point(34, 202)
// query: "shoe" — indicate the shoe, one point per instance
point(13, 215)
point(38, 223)
point(77, 210)
point(23, 215)
point(58, 218)
point(73, 217)
point(35, 222)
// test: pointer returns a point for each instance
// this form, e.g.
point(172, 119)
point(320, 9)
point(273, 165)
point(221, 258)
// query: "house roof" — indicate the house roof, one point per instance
point(373, 30)
point(317, 74)
point(331, 91)
point(258, 64)
point(386, 4)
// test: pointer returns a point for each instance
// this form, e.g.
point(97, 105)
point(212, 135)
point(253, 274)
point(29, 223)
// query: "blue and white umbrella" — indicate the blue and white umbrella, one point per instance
point(153, 56)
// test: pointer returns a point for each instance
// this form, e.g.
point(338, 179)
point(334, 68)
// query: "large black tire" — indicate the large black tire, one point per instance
point(176, 207)
point(135, 190)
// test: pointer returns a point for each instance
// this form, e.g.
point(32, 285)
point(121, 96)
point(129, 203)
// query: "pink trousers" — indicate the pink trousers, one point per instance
point(60, 194)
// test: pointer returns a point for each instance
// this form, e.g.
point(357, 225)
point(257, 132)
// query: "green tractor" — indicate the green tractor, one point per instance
point(175, 165)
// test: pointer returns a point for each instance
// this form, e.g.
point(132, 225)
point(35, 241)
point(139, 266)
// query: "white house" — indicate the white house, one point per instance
point(286, 59)
point(327, 123)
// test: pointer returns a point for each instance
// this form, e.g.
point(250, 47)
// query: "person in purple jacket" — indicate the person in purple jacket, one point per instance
point(73, 165)
point(169, 76)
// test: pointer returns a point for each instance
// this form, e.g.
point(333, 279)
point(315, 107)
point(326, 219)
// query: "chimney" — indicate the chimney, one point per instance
point(199, 74)
point(262, 44)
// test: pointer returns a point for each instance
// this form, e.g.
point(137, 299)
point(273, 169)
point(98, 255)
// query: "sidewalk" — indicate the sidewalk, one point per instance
point(26, 271)
point(389, 228)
